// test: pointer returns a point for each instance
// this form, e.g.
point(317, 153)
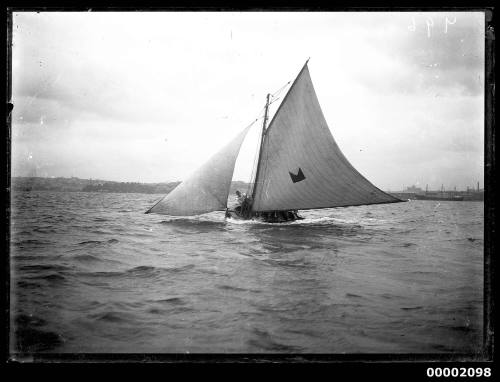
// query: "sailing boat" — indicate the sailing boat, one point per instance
point(299, 167)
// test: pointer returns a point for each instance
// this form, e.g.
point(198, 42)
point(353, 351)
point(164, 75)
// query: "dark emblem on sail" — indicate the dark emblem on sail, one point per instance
point(297, 178)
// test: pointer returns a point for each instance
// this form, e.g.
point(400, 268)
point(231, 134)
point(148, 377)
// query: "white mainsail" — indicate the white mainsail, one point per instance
point(207, 189)
point(301, 166)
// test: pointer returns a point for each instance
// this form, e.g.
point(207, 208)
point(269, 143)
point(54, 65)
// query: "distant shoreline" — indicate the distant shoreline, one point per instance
point(74, 184)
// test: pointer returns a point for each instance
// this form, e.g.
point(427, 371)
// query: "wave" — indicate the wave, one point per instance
point(352, 295)
point(249, 221)
point(37, 242)
point(86, 258)
point(298, 263)
point(44, 267)
point(90, 242)
point(29, 320)
point(100, 232)
point(147, 270)
point(307, 221)
point(460, 328)
point(32, 273)
point(179, 269)
point(99, 219)
point(406, 245)
point(187, 225)
point(170, 300)
point(236, 289)
point(28, 285)
point(113, 317)
point(422, 272)
point(155, 311)
point(30, 233)
point(53, 277)
point(473, 239)
point(101, 274)
point(30, 340)
point(142, 271)
point(171, 305)
point(306, 332)
point(98, 242)
point(265, 341)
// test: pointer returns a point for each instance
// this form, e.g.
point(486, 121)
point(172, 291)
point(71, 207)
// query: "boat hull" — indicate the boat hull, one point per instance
point(267, 217)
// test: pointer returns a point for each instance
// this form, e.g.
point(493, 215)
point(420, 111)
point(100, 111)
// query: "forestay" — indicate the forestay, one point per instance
point(207, 188)
point(301, 166)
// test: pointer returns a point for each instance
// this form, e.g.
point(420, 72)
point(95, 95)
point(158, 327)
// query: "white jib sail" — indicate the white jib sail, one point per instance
point(207, 189)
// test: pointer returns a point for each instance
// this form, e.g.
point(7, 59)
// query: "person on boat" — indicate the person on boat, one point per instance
point(240, 197)
point(242, 200)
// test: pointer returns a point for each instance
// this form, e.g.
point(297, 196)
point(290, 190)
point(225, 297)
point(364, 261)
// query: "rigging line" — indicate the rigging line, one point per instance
point(259, 117)
point(251, 183)
point(261, 110)
point(254, 169)
point(266, 163)
point(280, 89)
point(264, 107)
point(248, 188)
point(274, 100)
point(255, 155)
point(251, 123)
point(262, 142)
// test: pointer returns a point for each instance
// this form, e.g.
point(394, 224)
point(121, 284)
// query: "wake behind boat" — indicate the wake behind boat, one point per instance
point(299, 167)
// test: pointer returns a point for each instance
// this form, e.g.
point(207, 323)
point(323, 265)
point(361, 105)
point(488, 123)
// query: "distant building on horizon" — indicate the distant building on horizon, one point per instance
point(413, 189)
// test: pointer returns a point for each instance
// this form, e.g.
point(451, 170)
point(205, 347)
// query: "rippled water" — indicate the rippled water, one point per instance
point(90, 272)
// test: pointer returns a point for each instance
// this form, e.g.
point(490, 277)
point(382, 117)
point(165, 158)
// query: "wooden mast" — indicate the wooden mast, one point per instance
point(264, 131)
point(260, 149)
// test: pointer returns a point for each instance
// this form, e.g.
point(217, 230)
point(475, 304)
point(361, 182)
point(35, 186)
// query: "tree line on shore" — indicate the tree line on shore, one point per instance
point(94, 185)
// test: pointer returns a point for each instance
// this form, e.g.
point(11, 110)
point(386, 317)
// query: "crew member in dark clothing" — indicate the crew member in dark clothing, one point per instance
point(242, 200)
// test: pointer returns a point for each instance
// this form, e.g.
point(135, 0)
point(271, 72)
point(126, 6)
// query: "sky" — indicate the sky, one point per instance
point(150, 96)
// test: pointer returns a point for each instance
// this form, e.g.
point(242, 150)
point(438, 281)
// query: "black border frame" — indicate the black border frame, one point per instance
point(479, 360)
